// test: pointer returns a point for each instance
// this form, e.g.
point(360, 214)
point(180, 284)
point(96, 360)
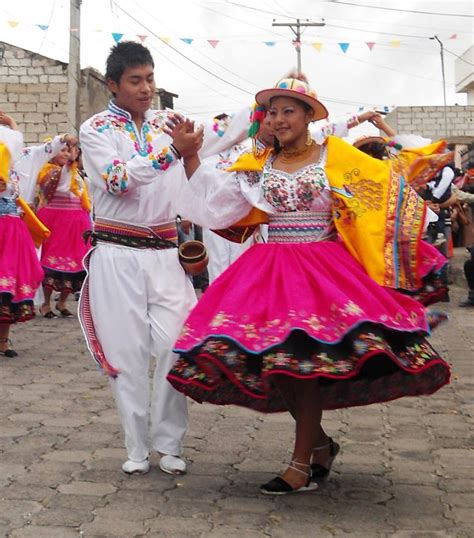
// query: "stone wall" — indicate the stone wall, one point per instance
point(429, 121)
point(33, 89)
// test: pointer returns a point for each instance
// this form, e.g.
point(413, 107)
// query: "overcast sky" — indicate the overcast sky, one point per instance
point(392, 74)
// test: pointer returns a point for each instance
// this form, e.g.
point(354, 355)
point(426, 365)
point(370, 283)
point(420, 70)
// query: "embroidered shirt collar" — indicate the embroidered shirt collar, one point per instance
point(118, 111)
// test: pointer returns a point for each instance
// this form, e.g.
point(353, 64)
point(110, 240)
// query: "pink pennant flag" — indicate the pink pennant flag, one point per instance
point(454, 36)
point(370, 44)
point(213, 42)
point(74, 30)
point(13, 24)
point(142, 37)
point(318, 46)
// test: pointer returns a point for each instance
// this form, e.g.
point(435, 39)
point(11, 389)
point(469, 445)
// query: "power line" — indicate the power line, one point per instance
point(47, 29)
point(200, 52)
point(459, 57)
point(405, 10)
point(183, 55)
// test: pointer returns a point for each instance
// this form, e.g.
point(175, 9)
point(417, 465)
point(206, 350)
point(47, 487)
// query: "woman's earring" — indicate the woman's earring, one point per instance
point(309, 138)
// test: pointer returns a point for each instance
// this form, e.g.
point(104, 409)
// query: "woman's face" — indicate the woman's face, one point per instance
point(63, 157)
point(288, 120)
point(265, 134)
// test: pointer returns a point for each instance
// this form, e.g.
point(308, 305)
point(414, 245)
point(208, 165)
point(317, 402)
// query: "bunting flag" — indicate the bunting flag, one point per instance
point(318, 45)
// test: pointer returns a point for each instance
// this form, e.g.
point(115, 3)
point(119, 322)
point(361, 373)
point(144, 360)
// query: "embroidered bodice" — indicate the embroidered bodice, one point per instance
point(302, 201)
point(306, 189)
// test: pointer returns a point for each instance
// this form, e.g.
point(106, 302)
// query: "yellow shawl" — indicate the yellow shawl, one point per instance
point(49, 175)
point(376, 212)
point(5, 159)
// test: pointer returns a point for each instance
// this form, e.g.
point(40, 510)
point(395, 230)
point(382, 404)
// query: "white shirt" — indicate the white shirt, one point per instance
point(127, 181)
point(30, 162)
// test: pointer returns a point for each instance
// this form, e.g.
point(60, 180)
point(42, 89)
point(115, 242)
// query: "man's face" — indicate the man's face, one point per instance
point(135, 90)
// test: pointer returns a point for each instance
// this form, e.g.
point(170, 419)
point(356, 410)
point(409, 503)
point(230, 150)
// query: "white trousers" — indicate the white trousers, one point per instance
point(222, 252)
point(139, 302)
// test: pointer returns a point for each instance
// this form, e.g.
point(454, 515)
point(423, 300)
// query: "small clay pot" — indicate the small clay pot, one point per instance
point(193, 257)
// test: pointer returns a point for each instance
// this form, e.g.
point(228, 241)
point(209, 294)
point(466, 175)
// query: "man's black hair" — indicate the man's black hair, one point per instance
point(124, 55)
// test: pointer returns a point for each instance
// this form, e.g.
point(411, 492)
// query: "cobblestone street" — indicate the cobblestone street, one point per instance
point(405, 468)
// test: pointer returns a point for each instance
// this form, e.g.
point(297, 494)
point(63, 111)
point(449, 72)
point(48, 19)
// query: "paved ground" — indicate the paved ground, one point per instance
point(405, 469)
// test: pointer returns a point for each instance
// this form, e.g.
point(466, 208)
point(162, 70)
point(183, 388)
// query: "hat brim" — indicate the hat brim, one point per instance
point(264, 97)
point(368, 140)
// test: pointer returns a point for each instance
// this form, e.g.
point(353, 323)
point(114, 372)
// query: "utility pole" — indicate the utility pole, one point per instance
point(444, 84)
point(295, 28)
point(74, 67)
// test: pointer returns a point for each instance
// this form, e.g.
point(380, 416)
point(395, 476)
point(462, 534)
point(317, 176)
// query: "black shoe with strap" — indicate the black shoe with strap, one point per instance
point(321, 472)
point(9, 353)
point(278, 486)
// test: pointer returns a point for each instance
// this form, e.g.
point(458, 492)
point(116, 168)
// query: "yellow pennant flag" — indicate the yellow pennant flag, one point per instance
point(13, 24)
point(165, 39)
point(318, 46)
point(395, 43)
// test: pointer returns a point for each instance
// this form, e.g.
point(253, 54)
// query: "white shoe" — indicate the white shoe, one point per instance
point(136, 467)
point(172, 464)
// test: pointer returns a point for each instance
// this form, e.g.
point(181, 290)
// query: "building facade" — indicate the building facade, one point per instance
point(34, 90)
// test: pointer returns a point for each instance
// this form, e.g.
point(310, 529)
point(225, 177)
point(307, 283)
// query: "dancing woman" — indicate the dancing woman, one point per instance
point(310, 320)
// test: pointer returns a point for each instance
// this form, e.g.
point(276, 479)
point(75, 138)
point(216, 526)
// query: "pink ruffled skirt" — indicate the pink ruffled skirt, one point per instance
point(20, 271)
point(62, 253)
point(306, 310)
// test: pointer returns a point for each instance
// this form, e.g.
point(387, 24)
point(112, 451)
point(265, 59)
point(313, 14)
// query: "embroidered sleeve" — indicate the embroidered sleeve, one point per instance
point(116, 178)
point(113, 165)
point(251, 178)
point(163, 159)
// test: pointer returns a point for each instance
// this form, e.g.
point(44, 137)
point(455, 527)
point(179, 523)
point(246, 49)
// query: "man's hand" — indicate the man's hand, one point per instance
point(3, 186)
point(186, 140)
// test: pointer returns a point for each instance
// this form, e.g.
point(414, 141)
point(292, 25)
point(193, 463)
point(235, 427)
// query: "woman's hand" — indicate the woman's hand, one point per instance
point(378, 121)
point(7, 120)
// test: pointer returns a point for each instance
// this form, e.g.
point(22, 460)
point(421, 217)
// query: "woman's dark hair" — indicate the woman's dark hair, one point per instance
point(374, 149)
point(124, 55)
